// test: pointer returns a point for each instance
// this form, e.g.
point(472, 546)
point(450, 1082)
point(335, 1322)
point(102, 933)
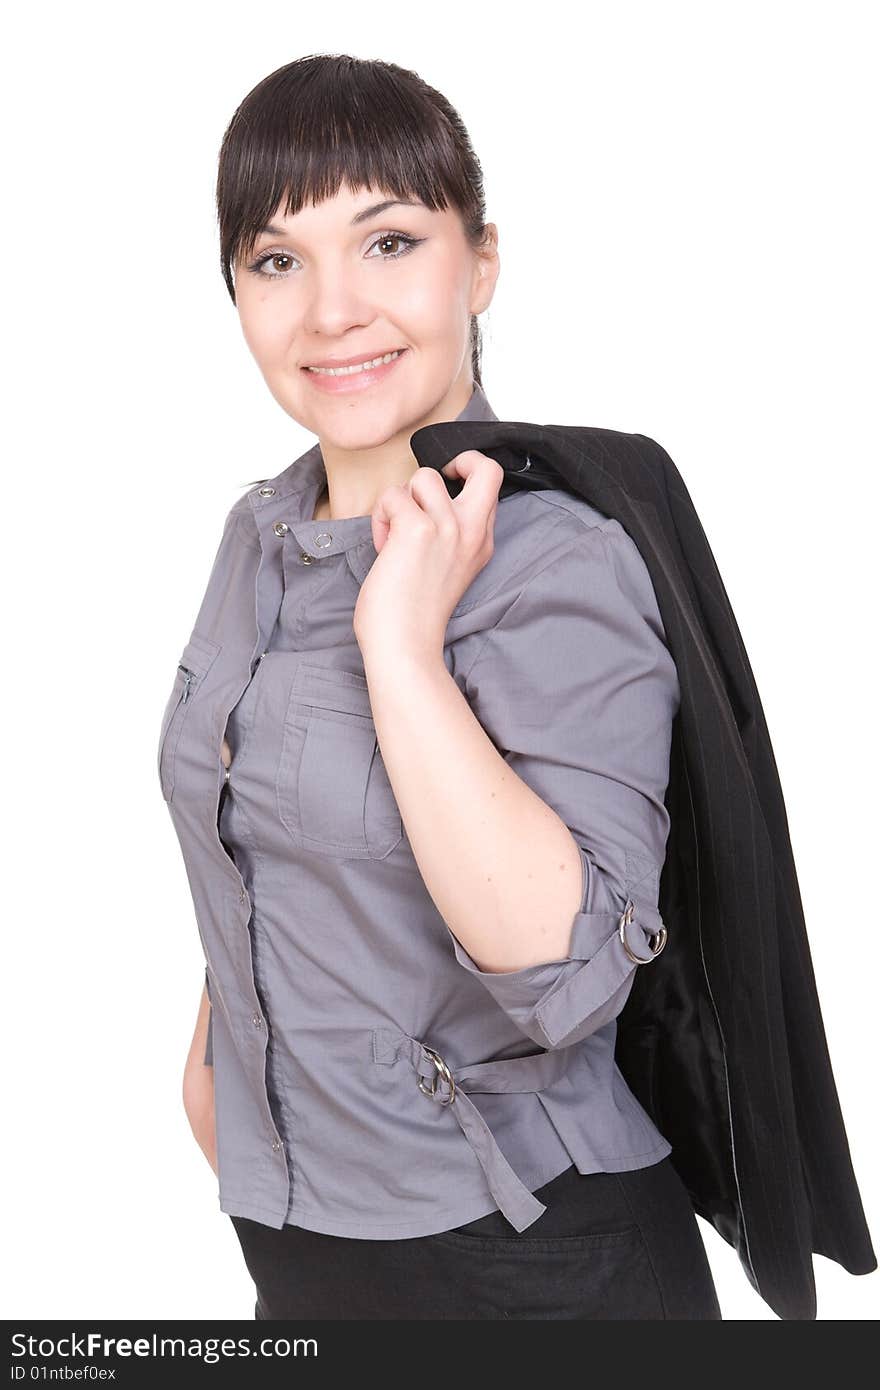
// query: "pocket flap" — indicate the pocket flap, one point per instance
point(323, 687)
point(198, 654)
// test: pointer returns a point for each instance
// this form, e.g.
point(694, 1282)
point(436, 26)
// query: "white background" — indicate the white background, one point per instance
point(688, 235)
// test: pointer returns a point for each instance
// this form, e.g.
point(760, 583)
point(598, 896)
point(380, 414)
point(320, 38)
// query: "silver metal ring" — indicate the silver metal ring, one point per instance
point(656, 937)
point(442, 1070)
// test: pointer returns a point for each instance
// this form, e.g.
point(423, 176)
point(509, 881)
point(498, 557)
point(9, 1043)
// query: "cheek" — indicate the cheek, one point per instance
point(429, 307)
point(267, 329)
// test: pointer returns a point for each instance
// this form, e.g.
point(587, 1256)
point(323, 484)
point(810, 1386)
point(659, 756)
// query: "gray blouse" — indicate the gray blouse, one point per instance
point(370, 1079)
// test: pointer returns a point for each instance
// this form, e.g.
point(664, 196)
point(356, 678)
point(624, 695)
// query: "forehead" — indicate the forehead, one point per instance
point(347, 208)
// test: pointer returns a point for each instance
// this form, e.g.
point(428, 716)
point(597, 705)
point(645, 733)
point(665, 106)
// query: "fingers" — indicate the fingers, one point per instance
point(483, 477)
point(390, 503)
point(426, 493)
point(477, 503)
point(430, 492)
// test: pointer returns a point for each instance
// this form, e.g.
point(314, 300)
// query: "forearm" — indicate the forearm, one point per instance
point(498, 862)
point(200, 1035)
point(198, 1086)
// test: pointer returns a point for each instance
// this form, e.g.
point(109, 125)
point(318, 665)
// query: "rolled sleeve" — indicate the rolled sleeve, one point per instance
point(578, 690)
point(560, 1002)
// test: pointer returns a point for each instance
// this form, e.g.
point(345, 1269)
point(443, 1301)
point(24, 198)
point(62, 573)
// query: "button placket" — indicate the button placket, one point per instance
point(322, 544)
point(281, 529)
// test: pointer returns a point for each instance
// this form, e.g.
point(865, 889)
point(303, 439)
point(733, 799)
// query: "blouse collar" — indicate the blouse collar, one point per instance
point(332, 536)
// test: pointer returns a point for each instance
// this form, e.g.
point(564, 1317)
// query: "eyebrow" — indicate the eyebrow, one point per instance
point(271, 230)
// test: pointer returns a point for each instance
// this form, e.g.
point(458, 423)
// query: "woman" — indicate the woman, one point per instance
point(415, 1118)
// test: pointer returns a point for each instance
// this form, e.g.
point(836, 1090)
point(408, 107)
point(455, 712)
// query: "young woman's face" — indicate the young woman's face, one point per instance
point(323, 285)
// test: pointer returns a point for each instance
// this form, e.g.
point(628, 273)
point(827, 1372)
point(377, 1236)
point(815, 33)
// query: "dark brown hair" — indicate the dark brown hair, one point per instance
point(329, 118)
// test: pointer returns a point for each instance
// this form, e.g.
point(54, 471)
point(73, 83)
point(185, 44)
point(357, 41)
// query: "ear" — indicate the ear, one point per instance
point(487, 265)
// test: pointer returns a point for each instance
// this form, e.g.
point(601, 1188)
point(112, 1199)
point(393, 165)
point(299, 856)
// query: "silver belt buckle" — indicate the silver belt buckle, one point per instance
point(441, 1070)
point(658, 938)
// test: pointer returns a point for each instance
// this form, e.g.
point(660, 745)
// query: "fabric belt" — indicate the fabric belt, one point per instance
point(437, 1081)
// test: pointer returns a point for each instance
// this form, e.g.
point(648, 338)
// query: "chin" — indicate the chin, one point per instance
point(357, 429)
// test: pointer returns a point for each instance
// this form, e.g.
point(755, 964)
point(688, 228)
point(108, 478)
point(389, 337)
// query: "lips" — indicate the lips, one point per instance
point(332, 362)
point(356, 379)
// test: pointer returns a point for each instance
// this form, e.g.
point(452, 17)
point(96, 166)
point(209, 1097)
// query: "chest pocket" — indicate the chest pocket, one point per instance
point(195, 662)
point(334, 795)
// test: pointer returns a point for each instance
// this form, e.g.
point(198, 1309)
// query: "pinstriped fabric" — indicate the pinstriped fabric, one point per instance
point(741, 1079)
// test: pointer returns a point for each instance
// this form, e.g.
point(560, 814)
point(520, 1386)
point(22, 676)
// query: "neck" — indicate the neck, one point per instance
point(355, 482)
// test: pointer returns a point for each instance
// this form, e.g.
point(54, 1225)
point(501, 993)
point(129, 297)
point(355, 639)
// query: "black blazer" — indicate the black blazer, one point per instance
point(722, 1040)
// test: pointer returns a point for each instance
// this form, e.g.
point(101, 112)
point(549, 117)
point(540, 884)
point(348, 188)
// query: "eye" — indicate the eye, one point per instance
point(406, 244)
point(257, 265)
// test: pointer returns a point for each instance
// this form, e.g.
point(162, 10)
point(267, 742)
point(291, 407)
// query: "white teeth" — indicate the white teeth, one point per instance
point(361, 366)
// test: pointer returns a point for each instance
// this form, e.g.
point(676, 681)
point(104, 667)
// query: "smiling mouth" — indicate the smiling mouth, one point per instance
point(360, 367)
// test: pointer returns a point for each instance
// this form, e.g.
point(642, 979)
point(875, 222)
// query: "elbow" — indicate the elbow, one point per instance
point(546, 940)
point(558, 1003)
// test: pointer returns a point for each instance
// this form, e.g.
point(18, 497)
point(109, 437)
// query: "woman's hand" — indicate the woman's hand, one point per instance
point(430, 547)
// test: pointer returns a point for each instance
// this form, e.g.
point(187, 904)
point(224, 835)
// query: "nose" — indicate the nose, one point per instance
point(335, 303)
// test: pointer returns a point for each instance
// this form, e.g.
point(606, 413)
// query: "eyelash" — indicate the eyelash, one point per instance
point(409, 244)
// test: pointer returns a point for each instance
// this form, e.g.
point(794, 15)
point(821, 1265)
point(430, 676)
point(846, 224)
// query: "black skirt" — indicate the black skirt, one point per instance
point(609, 1246)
